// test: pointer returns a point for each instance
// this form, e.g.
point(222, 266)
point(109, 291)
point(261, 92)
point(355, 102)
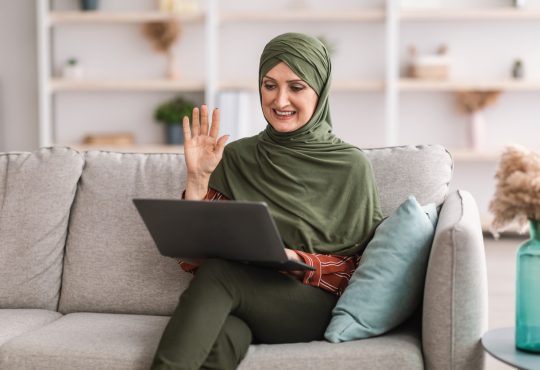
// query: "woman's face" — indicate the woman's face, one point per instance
point(287, 101)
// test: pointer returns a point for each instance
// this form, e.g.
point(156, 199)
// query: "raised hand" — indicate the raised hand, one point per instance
point(202, 149)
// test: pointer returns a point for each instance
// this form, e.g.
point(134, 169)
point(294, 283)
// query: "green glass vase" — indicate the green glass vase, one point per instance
point(528, 292)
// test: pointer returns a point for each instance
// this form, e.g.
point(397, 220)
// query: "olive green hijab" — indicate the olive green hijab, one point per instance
point(320, 190)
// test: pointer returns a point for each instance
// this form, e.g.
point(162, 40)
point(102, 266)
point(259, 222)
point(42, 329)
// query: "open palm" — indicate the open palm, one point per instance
point(202, 149)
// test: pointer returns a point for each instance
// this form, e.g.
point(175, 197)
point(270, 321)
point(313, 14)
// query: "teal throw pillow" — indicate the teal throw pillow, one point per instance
point(388, 284)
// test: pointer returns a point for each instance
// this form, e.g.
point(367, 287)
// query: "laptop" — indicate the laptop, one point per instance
point(231, 230)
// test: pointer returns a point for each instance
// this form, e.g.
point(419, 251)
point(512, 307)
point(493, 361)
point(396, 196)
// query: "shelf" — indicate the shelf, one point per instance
point(337, 86)
point(130, 148)
point(410, 84)
point(472, 156)
point(118, 17)
point(305, 16)
point(494, 14)
point(59, 85)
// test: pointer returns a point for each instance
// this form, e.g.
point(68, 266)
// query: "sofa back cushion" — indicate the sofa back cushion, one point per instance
point(36, 194)
point(424, 171)
point(111, 263)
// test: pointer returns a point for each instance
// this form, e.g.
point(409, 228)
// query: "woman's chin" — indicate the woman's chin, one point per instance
point(283, 126)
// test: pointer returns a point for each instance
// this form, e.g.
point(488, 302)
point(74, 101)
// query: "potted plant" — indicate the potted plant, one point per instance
point(89, 4)
point(171, 114)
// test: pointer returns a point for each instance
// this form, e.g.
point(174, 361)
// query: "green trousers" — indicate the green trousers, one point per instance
point(229, 305)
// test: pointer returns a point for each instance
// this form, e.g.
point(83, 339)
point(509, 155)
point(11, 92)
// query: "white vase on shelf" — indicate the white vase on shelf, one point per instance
point(477, 131)
point(72, 70)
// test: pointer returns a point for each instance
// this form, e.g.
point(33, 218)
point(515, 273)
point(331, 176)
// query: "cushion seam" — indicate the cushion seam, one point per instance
point(68, 227)
point(453, 303)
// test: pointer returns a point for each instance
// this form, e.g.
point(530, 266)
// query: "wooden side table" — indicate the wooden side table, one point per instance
point(500, 343)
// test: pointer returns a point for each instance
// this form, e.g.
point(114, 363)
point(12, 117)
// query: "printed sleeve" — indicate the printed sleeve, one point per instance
point(332, 273)
point(210, 195)
point(187, 267)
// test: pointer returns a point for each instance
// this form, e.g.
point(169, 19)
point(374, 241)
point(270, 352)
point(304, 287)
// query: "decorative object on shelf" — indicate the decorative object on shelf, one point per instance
point(171, 114)
point(115, 139)
point(163, 35)
point(298, 4)
point(89, 4)
point(518, 70)
point(72, 70)
point(474, 103)
point(518, 3)
point(429, 66)
point(517, 200)
point(179, 6)
point(330, 45)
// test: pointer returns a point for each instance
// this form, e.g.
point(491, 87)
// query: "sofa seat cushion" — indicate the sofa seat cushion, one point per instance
point(116, 341)
point(14, 322)
point(400, 349)
point(87, 341)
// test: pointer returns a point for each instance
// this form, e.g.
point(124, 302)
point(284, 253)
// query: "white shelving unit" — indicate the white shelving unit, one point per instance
point(212, 19)
point(50, 85)
point(496, 14)
point(66, 17)
point(133, 148)
point(305, 16)
point(58, 85)
point(392, 85)
point(409, 84)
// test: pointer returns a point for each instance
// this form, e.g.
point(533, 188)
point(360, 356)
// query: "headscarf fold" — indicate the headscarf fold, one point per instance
point(320, 190)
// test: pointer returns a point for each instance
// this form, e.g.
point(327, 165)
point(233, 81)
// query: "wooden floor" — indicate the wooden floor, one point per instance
point(501, 270)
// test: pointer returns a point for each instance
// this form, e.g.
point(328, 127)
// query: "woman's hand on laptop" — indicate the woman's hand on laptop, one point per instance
point(292, 255)
point(203, 150)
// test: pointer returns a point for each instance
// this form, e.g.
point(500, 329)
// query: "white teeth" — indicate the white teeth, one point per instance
point(284, 113)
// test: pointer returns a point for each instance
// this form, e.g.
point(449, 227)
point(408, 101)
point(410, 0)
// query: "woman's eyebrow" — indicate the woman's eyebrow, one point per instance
point(273, 79)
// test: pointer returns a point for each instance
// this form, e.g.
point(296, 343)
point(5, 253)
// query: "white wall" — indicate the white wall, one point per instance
point(18, 76)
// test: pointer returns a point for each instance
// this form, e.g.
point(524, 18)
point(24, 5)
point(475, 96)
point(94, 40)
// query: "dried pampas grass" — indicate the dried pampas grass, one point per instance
point(162, 35)
point(474, 101)
point(517, 195)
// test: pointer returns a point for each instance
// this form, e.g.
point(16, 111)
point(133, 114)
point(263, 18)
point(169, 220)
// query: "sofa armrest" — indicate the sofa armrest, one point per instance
point(455, 298)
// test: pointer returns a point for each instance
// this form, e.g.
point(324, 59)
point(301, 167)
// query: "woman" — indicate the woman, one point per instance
point(322, 196)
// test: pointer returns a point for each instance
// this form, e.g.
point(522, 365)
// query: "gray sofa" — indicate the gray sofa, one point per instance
point(83, 287)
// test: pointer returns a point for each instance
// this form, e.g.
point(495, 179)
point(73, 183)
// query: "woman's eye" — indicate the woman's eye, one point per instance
point(269, 86)
point(297, 88)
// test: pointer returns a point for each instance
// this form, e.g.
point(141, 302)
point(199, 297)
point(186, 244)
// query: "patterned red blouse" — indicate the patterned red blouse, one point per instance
point(332, 273)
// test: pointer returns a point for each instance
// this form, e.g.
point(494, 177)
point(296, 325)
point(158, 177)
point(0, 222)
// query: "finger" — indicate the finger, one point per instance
point(214, 130)
point(195, 128)
point(204, 120)
point(187, 130)
point(220, 146)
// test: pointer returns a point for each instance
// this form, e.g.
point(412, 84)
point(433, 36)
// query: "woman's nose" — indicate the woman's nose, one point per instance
point(282, 98)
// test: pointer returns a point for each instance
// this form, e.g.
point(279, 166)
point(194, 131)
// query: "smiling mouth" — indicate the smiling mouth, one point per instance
point(283, 114)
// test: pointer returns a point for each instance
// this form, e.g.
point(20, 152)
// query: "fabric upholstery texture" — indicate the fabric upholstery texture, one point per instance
point(111, 263)
point(14, 322)
point(424, 171)
point(87, 341)
point(455, 296)
point(36, 193)
point(387, 286)
point(399, 349)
